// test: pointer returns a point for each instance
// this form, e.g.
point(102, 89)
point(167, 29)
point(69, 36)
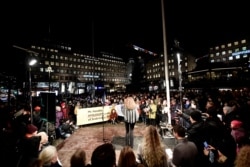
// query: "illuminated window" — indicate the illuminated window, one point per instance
point(236, 43)
point(237, 50)
point(230, 58)
point(229, 44)
point(244, 48)
point(222, 46)
point(243, 41)
point(218, 53)
point(212, 55)
point(237, 57)
point(212, 61)
point(230, 51)
point(46, 62)
point(224, 52)
point(217, 48)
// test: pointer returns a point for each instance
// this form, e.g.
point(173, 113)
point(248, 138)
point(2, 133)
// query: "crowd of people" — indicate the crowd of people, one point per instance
point(221, 119)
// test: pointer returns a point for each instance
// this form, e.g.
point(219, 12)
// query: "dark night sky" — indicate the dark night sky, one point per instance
point(197, 25)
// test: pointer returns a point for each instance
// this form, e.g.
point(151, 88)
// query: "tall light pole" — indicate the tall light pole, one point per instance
point(165, 57)
point(49, 70)
point(31, 62)
point(180, 76)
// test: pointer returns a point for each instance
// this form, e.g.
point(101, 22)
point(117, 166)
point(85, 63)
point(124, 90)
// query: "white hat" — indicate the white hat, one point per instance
point(58, 108)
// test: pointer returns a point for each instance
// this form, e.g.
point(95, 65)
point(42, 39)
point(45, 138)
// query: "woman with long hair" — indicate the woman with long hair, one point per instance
point(131, 116)
point(151, 152)
point(127, 158)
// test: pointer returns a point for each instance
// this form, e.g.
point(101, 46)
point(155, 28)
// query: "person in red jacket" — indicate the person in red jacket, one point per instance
point(113, 116)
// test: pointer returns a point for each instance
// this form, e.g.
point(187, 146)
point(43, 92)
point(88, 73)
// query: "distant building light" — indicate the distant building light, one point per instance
point(241, 52)
point(90, 76)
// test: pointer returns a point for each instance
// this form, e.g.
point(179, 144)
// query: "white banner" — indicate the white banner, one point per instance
point(119, 109)
point(93, 115)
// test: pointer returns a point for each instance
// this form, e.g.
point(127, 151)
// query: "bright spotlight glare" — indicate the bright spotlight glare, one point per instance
point(32, 62)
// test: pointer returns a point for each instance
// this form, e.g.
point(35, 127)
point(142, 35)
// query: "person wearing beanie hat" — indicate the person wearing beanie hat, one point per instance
point(236, 124)
point(30, 145)
point(31, 129)
point(37, 109)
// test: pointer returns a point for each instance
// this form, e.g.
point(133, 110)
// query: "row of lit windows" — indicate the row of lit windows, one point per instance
point(57, 77)
point(86, 60)
point(213, 76)
point(111, 57)
point(84, 66)
point(236, 43)
point(230, 58)
point(44, 49)
point(77, 72)
point(229, 52)
point(154, 76)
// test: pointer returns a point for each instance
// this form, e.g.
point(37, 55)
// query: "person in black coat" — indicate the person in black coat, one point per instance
point(195, 133)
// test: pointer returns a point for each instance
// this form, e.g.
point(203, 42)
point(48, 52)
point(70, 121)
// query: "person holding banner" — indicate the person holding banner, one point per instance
point(131, 116)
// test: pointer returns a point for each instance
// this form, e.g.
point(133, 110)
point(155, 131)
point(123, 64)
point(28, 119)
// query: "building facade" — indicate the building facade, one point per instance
point(65, 70)
point(226, 65)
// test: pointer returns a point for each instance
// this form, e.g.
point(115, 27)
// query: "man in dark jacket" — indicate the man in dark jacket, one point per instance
point(195, 133)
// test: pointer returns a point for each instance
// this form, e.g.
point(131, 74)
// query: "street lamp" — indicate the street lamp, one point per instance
point(32, 62)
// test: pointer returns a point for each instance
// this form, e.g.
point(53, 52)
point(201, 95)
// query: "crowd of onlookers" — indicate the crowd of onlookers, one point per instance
point(219, 119)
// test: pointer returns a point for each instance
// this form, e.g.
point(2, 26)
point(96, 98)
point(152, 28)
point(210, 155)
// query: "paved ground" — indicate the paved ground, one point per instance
point(89, 137)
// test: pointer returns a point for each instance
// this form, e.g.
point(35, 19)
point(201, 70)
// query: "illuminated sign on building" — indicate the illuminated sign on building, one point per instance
point(241, 52)
point(91, 76)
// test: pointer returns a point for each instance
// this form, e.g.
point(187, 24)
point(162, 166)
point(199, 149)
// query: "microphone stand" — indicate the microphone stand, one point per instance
point(105, 140)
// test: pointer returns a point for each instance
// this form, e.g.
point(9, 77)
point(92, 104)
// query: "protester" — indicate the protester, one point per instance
point(185, 152)
point(78, 159)
point(30, 145)
point(49, 157)
point(104, 156)
point(243, 157)
point(113, 116)
point(151, 151)
point(127, 158)
point(131, 116)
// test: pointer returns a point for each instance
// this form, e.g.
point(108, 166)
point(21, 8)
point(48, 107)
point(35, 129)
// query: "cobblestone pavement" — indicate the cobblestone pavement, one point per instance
point(89, 137)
